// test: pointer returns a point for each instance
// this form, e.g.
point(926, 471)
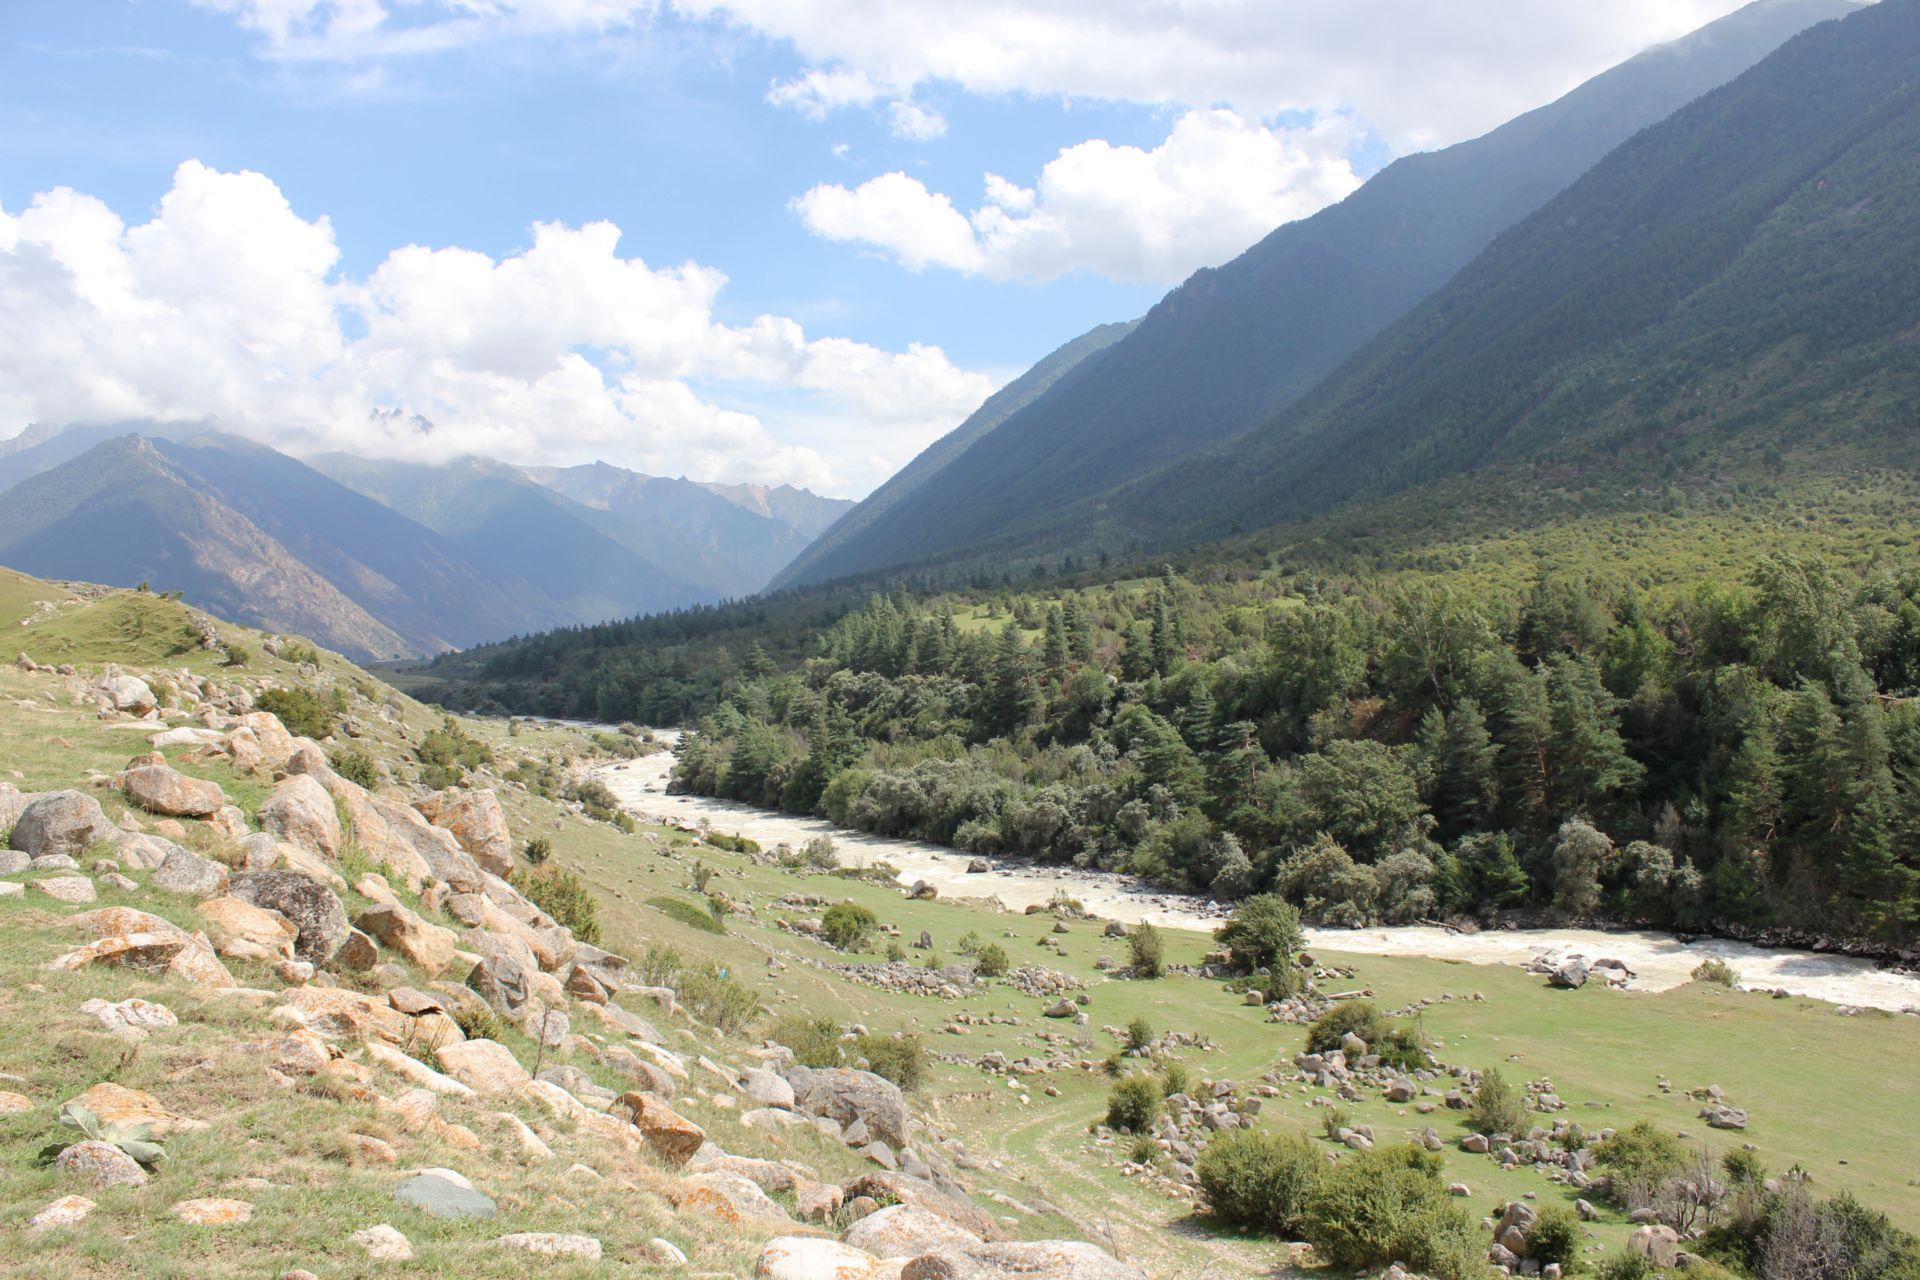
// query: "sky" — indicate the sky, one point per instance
point(780, 241)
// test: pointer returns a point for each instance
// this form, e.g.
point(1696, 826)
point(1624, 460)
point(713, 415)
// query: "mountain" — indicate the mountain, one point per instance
point(1234, 345)
point(731, 539)
point(1732, 293)
point(524, 534)
point(1001, 405)
point(252, 534)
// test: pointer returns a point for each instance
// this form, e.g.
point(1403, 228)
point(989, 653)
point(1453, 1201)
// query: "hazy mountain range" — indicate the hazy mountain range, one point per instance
point(379, 559)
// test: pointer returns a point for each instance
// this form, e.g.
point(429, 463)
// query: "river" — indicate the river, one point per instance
point(1659, 961)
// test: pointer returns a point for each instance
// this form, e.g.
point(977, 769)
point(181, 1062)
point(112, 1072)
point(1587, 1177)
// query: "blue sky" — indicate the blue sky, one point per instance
point(830, 160)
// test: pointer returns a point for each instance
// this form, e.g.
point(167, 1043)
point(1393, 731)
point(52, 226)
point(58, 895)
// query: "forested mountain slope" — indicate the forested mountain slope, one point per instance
point(1234, 345)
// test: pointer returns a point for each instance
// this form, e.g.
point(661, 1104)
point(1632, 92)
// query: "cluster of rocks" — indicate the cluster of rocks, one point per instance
point(1571, 972)
point(1042, 983)
point(949, 982)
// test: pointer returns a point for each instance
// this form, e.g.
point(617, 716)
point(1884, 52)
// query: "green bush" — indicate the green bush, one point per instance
point(1641, 1160)
point(1389, 1205)
point(1555, 1236)
point(711, 995)
point(447, 754)
point(847, 925)
point(1716, 971)
point(1175, 1078)
point(991, 960)
point(1260, 1179)
point(1134, 1104)
point(901, 1059)
point(1262, 933)
point(1399, 1045)
point(356, 767)
point(304, 715)
point(1147, 951)
point(538, 850)
point(734, 843)
point(564, 896)
point(660, 965)
point(1496, 1107)
point(1744, 1168)
point(688, 914)
point(478, 1022)
point(1139, 1034)
point(1627, 1266)
point(815, 1042)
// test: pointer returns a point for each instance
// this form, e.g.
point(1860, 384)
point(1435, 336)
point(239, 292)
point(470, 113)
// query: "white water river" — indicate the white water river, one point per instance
point(1659, 960)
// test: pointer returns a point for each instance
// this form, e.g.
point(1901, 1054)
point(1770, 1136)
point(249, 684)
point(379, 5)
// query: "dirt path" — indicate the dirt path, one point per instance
point(1659, 961)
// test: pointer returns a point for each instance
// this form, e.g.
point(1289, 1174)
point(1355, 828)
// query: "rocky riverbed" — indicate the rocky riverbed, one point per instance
point(1658, 961)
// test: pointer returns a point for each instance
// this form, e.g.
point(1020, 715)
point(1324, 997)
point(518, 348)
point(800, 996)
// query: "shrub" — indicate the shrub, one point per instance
point(1555, 1236)
point(688, 914)
point(820, 854)
point(564, 896)
point(538, 850)
point(1147, 951)
point(1717, 971)
point(447, 753)
point(1389, 1205)
point(815, 1041)
point(1744, 1168)
point(238, 655)
point(660, 965)
point(1626, 1266)
point(991, 960)
point(356, 767)
point(1399, 1045)
point(711, 995)
point(1134, 1104)
point(847, 925)
point(1641, 1160)
point(901, 1059)
point(1262, 933)
point(733, 843)
point(304, 715)
point(478, 1022)
point(895, 952)
point(1496, 1107)
point(1260, 1179)
point(1174, 1078)
point(1139, 1034)
point(1144, 1149)
point(969, 944)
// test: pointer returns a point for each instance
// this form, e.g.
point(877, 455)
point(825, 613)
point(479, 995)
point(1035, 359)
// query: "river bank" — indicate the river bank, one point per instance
point(1659, 961)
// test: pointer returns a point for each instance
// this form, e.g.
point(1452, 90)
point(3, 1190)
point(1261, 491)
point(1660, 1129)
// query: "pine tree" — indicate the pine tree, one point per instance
point(1588, 761)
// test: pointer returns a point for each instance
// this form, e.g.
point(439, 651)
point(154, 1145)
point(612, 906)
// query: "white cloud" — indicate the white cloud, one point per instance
point(1216, 184)
point(1420, 73)
point(226, 305)
point(915, 121)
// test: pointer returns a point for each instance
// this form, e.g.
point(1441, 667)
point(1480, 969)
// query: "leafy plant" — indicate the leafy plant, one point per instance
point(1134, 1104)
point(356, 767)
point(304, 715)
point(991, 960)
point(1716, 971)
point(1260, 1179)
point(1146, 950)
point(846, 926)
point(1262, 933)
point(136, 1140)
point(538, 850)
point(1496, 1107)
point(564, 896)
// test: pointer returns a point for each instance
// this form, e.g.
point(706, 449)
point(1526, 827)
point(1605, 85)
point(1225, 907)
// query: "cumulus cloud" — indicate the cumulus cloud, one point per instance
point(226, 305)
point(1421, 74)
point(1217, 183)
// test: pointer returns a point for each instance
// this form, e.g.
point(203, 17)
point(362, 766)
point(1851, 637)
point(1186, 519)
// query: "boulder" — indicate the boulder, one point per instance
point(162, 789)
point(476, 821)
point(484, 1066)
point(276, 744)
point(906, 1231)
point(117, 1104)
point(1035, 1260)
point(60, 822)
point(766, 1087)
point(844, 1095)
point(246, 932)
point(318, 919)
point(943, 1201)
point(132, 1017)
point(1569, 975)
point(383, 1244)
point(339, 1015)
point(813, 1258)
point(129, 694)
point(427, 945)
point(1658, 1244)
point(100, 1165)
point(672, 1136)
point(64, 1212)
point(190, 874)
point(503, 982)
point(432, 1192)
point(301, 813)
point(67, 888)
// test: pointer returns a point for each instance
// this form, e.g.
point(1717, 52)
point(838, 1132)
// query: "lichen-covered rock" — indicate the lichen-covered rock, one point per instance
point(214, 1212)
point(314, 910)
point(246, 932)
point(129, 694)
point(906, 1231)
point(162, 789)
point(117, 1104)
point(549, 1244)
point(672, 1136)
point(190, 874)
point(484, 1066)
point(60, 822)
point(427, 945)
point(301, 813)
point(67, 888)
point(476, 821)
point(845, 1095)
point(1035, 1260)
point(813, 1258)
point(100, 1165)
point(64, 1212)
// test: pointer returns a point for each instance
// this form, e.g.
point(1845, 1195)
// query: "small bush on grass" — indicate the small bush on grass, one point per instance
point(1175, 1078)
point(1147, 951)
point(991, 960)
point(820, 854)
point(1260, 1179)
point(1134, 1104)
point(448, 753)
point(538, 850)
point(1496, 1107)
point(1262, 933)
point(815, 1042)
point(1389, 1205)
point(1399, 1045)
point(356, 767)
point(660, 965)
point(478, 1022)
point(1555, 1237)
point(847, 925)
point(901, 1059)
point(712, 996)
point(1144, 1150)
point(564, 896)
point(1626, 1266)
point(304, 715)
point(1139, 1034)
point(1641, 1160)
point(1717, 971)
point(734, 843)
point(686, 913)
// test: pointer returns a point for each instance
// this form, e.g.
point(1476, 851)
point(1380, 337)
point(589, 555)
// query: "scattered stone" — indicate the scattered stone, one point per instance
point(428, 945)
point(384, 1244)
point(213, 1212)
point(314, 910)
point(485, 1066)
point(101, 1164)
point(905, 1231)
point(435, 1193)
point(672, 1136)
point(162, 789)
point(190, 874)
point(1038, 1260)
point(665, 1252)
point(67, 888)
point(133, 1017)
point(549, 1244)
point(813, 1258)
point(301, 812)
point(64, 1212)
